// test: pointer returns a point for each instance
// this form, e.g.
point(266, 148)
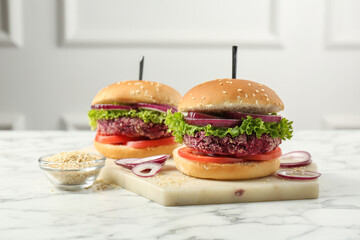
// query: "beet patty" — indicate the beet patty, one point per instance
point(132, 127)
point(237, 146)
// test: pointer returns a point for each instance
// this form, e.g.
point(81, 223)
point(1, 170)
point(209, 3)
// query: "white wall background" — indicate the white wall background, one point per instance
point(56, 55)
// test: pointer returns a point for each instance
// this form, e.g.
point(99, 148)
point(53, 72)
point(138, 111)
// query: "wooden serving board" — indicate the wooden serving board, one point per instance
point(172, 188)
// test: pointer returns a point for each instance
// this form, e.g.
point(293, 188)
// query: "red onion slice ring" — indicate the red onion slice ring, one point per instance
point(265, 118)
point(297, 174)
point(215, 122)
point(151, 169)
point(295, 159)
point(200, 115)
point(112, 107)
point(156, 107)
point(130, 163)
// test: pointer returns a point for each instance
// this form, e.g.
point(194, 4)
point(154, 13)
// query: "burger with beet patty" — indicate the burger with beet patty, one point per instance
point(130, 119)
point(230, 129)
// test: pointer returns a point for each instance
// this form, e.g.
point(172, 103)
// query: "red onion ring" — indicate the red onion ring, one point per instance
point(295, 159)
point(130, 163)
point(215, 122)
point(112, 107)
point(200, 115)
point(154, 168)
point(265, 118)
point(298, 175)
point(156, 107)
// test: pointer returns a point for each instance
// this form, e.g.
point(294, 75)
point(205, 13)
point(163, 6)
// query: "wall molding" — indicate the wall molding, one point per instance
point(333, 39)
point(11, 27)
point(73, 36)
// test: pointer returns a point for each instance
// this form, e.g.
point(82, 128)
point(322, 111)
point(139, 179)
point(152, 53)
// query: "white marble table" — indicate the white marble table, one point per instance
point(31, 208)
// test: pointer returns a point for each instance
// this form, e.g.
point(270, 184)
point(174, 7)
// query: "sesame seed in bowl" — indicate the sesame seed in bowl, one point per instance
point(72, 170)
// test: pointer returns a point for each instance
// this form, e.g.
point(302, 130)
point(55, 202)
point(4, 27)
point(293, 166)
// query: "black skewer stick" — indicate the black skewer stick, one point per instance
point(234, 62)
point(141, 70)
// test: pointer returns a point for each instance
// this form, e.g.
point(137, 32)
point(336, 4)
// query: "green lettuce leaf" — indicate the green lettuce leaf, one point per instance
point(249, 126)
point(144, 114)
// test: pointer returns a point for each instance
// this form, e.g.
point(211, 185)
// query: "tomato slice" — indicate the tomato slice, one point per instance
point(194, 155)
point(151, 143)
point(114, 139)
point(276, 153)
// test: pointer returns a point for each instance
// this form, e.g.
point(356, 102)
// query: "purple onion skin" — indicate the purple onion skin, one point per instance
point(215, 122)
point(265, 118)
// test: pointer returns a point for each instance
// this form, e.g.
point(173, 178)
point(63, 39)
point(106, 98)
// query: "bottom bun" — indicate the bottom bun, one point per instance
point(232, 171)
point(122, 151)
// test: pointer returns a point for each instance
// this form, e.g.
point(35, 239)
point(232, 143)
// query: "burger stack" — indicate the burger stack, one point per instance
point(230, 129)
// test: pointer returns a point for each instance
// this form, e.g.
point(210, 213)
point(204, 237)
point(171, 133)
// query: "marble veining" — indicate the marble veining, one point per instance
point(31, 208)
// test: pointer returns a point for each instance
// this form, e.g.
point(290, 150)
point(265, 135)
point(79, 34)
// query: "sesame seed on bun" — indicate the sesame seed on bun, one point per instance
point(136, 91)
point(231, 95)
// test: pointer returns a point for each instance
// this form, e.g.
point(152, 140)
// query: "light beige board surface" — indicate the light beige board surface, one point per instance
point(171, 188)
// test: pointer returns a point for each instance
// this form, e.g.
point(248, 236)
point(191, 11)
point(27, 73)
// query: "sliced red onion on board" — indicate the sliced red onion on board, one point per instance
point(129, 163)
point(200, 115)
point(156, 107)
point(295, 159)
point(215, 122)
point(265, 118)
point(112, 107)
point(123, 163)
point(297, 174)
point(148, 169)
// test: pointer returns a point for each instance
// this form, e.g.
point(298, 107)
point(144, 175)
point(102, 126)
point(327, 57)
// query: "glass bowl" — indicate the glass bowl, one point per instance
point(72, 179)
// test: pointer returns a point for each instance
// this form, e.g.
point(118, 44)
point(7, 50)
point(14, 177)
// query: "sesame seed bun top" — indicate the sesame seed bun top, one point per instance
point(136, 91)
point(231, 95)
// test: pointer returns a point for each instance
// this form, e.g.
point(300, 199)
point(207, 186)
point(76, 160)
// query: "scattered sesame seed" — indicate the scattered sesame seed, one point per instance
point(203, 98)
point(257, 102)
point(132, 92)
point(220, 83)
point(141, 87)
point(118, 83)
point(253, 94)
point(193, 98)
point(256, 90)
point(229, 81)
point(249, 84)
point(146, 92)
point(246, 95)
point(138, 83)
point(224, 92)
point(239, 90)
point(238, 97)
point(267, 99)
point(260, 85)
point(265, 95)
point(137, 91)
point(151, 83)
